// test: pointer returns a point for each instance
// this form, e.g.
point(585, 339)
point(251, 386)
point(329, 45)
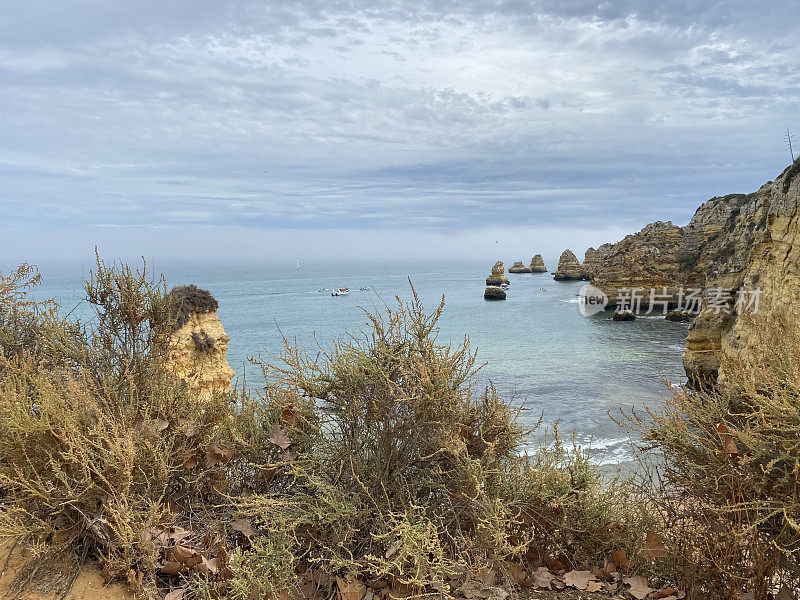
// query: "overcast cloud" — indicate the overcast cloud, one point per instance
point(132, 123)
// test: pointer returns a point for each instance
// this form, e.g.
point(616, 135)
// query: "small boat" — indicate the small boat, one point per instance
point(504, 286)
point(340, 292)
point(297, 264)
point(323, 290)
point(363, 289)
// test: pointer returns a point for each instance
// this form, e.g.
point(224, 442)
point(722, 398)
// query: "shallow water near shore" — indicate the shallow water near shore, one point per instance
point(538, 349)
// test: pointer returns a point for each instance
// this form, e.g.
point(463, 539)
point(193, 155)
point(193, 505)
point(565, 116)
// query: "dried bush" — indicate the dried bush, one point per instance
point(390, 469)
point(186, 298)
point(726, 467)
point(96, 451)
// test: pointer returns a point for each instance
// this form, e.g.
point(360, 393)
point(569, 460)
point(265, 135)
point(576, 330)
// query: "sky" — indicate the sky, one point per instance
point(355, 129)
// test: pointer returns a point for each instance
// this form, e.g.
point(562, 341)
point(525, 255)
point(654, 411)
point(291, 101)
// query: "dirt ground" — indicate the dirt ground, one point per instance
point(50, 585)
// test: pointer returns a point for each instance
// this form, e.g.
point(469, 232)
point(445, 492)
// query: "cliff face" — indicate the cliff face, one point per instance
point(736, 243)
point(498, 275)
point(758, 248)
point(198, 351)
point(569, 267)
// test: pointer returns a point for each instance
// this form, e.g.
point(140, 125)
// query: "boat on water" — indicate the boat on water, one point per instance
point(363, 289)
point(323, 290)
point(342, 291)
point(297, 264)
point(505, 286)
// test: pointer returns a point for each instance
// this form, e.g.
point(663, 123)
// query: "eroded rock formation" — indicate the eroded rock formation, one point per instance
point(198, 352)
point(498, 275)
point(537, 264)
point(518, 267)
point(494, 292)
point(733, 246)
point(568, 267)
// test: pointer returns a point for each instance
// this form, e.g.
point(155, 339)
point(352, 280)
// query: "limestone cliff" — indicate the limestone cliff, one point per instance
point(735, 243)
point(757, 249)
point(198, 352)
point(537, 264)
point(498, 275)
point(568, 267)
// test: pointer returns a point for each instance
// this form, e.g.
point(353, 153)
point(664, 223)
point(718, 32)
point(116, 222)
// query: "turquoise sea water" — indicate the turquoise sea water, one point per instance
point(538, 349)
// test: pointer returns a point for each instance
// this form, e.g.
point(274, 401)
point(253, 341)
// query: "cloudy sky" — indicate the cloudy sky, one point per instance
point(325, 127)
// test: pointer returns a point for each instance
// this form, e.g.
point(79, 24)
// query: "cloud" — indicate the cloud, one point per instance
point(439, 117)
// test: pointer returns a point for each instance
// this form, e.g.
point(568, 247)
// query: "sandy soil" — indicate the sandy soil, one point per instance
point(50, 585)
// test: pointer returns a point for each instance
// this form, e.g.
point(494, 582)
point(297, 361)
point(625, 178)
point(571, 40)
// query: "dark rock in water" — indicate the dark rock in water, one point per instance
point(518, 267)
point(569, 268)
point(498, 275)
point(624, 315)
point(680, 316)
point(537, 264)
point(494, 292)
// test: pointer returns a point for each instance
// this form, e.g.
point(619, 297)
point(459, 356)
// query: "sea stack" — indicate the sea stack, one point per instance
point(568, 267)
point(498, 275)
point(537, 264)
point(494, 292)
point(198, 350)
point(518, 267)
point(591, 261)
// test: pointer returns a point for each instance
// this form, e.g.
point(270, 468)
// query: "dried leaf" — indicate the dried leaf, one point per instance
point(594, 586)
point(173, 567)
point(517, 575)
point(350, 590)
point(620, 558)
point(160, 424)
point(175, 594)
point(665, 593)
point(186, 556)
point(542, 579)
point(289, 415)
point(135, 579)
point(578, 579)
point(243, 526)
point(556, 565)
point(728, 444)
point(207, 565)
point(190, 463)
point(638, 587)
point(217, 482)
point(216, 455)
point(653, 547)
point(278, 437)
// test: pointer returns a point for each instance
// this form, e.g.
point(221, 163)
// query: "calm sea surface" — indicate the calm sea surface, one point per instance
point(539, 349)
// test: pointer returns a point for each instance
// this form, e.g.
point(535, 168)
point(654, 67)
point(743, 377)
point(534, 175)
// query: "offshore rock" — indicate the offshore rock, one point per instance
point(537, 264)
point(198, 350)
point(624, 315)
point(494, 292)
point(518, 267)
point(680, 316)
point(568, 267)
point(498, 275)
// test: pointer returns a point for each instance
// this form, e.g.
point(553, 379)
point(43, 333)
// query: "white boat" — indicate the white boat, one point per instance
point(505, 286)
point(340, 292)
point(297, 264)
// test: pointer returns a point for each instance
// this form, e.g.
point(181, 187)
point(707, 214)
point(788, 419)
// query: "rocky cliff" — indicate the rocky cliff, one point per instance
point(732, 246)
point(198, 351)
point(568, 267)
point(537, 264)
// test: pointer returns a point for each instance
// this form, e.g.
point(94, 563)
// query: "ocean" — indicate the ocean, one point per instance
point(537, 348)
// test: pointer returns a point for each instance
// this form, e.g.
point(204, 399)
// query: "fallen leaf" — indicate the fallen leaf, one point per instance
point(400, 591)
point(278, 437)
point(175, 594)
point(728, 444)
point(578, 579)
point(638, 587)
point(160, 424)
point(517, 575)
point(243, 526)
point(135, 579)
point(173, 567)
point(665, 593)
point(207, 565)
point(653, 547)
point(216, 455)
point(554, 564)
point(190, 463)
point(350, 590)
point(289, 416)
point(594, 586)
point(620, 558)
point(217, 482)
point(190, 427)
point(542, 578)
point(186, 556)
point(784, 593)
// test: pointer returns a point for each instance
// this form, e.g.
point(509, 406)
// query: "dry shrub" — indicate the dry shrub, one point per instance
point(96, 442)
point(402, 474)
point(726, 470)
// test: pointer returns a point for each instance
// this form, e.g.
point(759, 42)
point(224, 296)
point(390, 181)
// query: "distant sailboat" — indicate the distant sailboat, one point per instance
point(297, 264)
